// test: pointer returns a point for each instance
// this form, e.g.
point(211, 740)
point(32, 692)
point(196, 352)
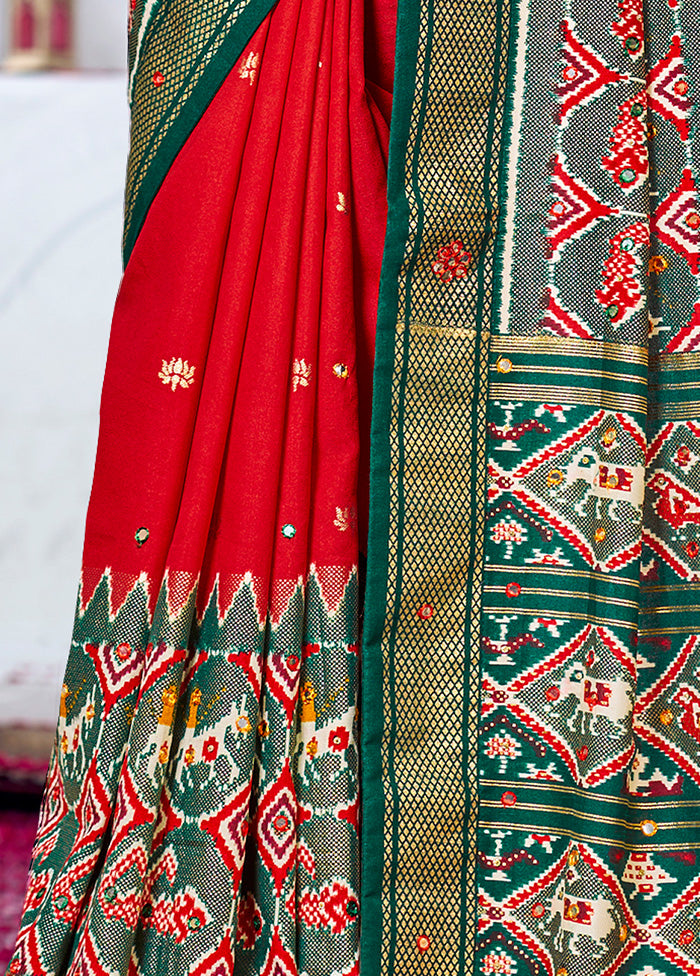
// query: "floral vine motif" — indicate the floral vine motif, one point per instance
point(335, 907)
point(452, 261)
point(628, 162)
point(622, 294)
point(177, 372)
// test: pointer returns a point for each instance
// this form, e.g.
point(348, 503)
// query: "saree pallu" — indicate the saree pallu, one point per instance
point(527, 644)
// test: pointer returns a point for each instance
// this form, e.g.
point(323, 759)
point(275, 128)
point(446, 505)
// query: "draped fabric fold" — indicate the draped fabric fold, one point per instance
point(205, 760)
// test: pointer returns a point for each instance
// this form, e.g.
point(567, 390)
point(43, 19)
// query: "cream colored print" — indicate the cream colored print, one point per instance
point(177, 372)
point(249, 67)
point(341, 205)
point(345, 518)
point(301, 374)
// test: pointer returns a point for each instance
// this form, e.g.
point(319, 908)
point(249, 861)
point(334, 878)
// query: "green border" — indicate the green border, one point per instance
point(181, 129)
point(372, 691)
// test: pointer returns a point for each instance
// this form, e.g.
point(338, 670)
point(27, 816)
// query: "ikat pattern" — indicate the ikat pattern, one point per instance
point(222, 837)
point(590, 734)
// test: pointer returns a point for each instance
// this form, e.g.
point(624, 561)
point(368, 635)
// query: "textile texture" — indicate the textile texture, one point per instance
point(202, 796)
point(532, 608)
point(520, 791)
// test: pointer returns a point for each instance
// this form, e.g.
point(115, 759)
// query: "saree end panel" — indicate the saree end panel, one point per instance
point(587, 830)
point(421, 646)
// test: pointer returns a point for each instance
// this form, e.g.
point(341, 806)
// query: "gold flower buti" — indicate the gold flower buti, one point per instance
point(301, 373)
point(249, 67)
point(345, 518)
point(177, 372)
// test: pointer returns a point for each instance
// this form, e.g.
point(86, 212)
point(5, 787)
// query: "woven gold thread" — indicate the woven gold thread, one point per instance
point(182, 39)
point(443, 431)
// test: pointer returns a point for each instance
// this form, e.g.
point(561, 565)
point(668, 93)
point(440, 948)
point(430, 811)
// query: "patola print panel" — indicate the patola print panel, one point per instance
point(589, 739)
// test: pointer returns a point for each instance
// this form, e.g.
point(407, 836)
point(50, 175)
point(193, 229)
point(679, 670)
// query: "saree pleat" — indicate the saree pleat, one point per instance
point(201, 807)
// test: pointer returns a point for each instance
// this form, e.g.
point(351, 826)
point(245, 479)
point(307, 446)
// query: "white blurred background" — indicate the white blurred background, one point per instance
point(64, 139)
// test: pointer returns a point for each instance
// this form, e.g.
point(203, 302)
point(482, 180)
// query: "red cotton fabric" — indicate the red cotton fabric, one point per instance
point(246, 262)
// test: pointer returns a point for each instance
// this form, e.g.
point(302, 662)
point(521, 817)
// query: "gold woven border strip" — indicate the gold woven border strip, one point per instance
point(437, 441)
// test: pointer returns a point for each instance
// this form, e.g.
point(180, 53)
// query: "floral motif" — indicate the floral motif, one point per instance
point(507, 530)
point(312, 911)
point(345, 518)
point(338, 739)
point(301, 374)
point(497, 964)
point(249, 66)
point(334, 907)
point(452, 261)
point(621, 294)
point(502, 745)
point(177, 372)
point(341, 905)
point(210, 749)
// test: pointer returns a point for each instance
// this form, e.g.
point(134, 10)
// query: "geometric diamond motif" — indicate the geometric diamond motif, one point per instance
point(675, 690)
point(279, 962)
point(568, 485)
point(275, 821)
point(676, 221)
point(667, 88)
point(229, 829)
point(574, 211)
point(584, 74)
point(573, 700)
point(687, 339)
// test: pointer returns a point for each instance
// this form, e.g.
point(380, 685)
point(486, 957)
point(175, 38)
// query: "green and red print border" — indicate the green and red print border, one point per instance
point(205, 757)
point(571, 584)
point(589, 787)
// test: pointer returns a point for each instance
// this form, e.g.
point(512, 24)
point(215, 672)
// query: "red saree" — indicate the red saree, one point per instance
point(530, 731)
point(220, 588)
